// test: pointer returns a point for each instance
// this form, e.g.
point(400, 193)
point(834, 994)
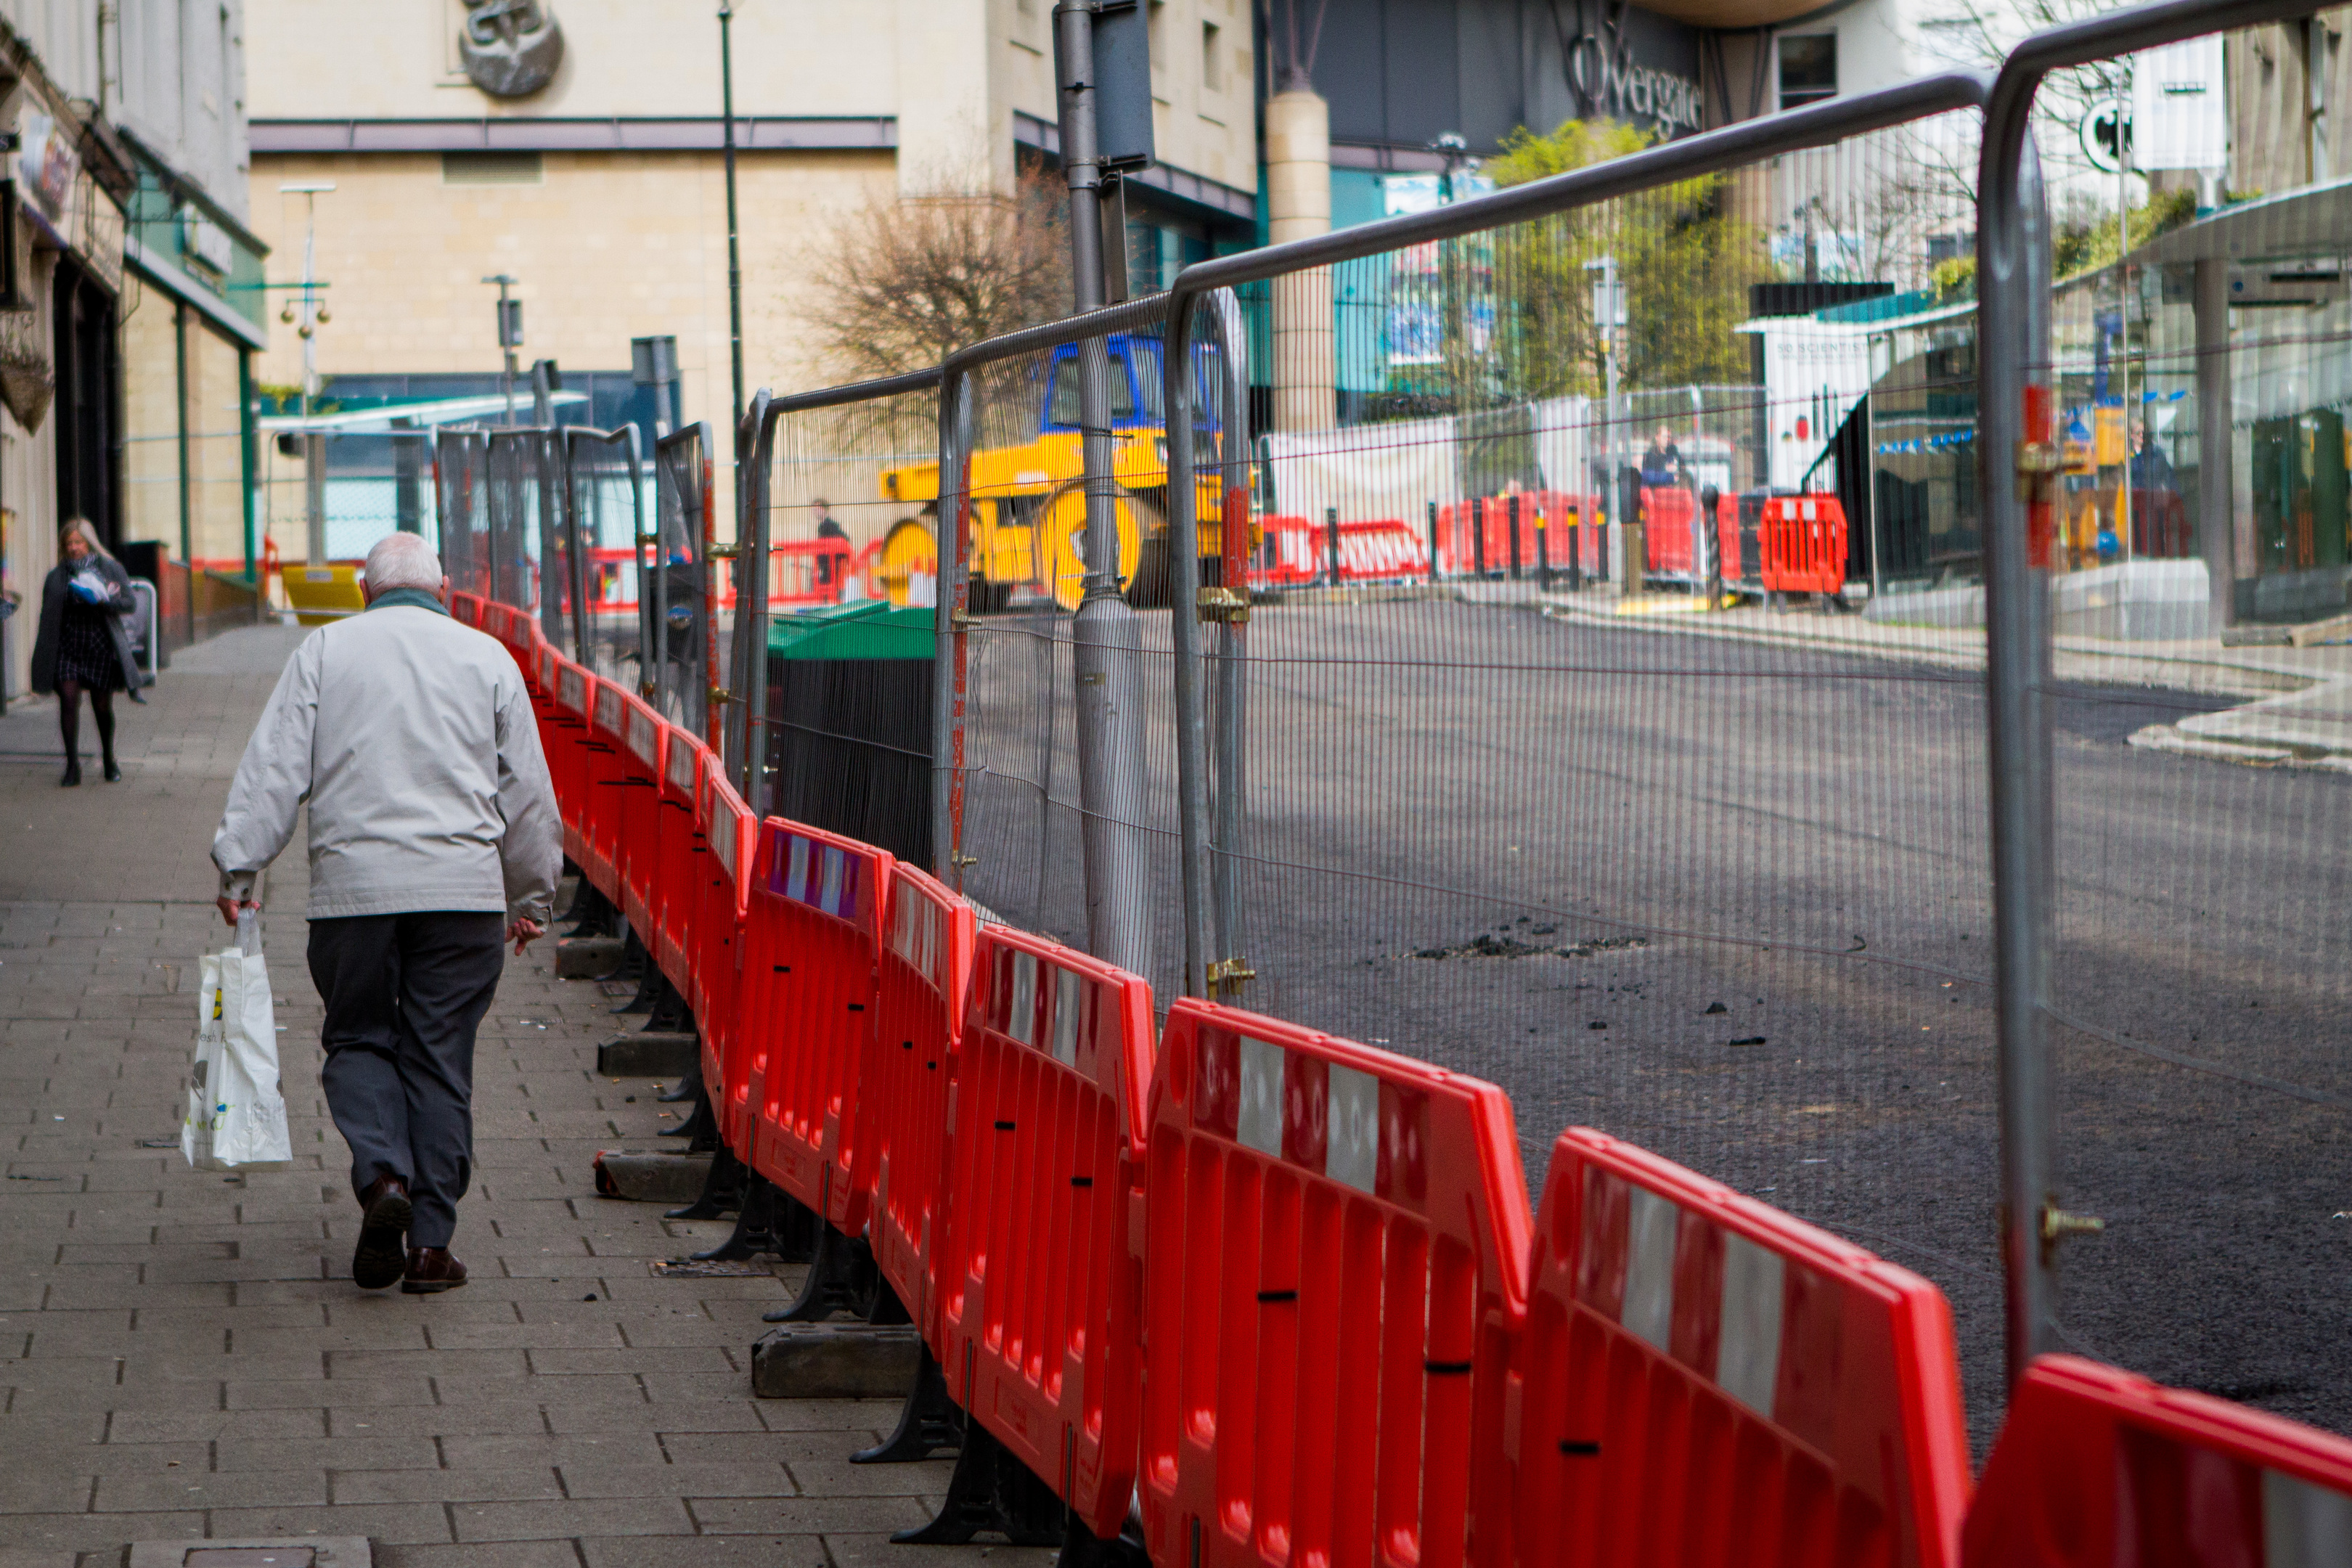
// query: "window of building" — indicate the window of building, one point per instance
point(1808, 69)
point(1213, 61)
point(491, 169)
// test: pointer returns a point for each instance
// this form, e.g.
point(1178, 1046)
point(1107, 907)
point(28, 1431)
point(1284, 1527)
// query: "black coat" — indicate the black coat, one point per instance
point(53, 620)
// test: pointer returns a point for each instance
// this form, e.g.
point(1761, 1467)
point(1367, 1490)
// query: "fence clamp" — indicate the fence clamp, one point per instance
point(1229, 971)
point(960, 620)
point(645, 539)
point(965, 859)
point(720, 695)
point(1223, 605)
point(721, 552)
point(2038, 462)
point(2057, 1225)
point(646, 688)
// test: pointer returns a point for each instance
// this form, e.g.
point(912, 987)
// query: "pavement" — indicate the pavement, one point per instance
point(2298, 700)
point(183, 1355)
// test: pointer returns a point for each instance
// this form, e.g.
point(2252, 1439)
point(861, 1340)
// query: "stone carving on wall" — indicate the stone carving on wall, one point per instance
point(511, 48)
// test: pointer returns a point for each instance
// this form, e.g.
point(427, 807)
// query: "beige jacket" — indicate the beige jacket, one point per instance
point(414, 741)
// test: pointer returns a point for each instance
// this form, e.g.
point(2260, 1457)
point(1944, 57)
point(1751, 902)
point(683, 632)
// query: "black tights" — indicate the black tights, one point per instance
point(101, 707)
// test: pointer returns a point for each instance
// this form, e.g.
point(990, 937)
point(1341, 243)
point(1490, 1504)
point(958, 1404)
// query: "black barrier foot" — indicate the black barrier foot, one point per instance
point(722, 1190)
point(637, 964)
point(700, 1129)
point(689, 1088)
point(928, 1424)
point(991, 1490)
point(591, 913)
point(671, 1015)
point(884, 1310)
point(771, 1221)
point(1082, 1548)
point(841, 1279)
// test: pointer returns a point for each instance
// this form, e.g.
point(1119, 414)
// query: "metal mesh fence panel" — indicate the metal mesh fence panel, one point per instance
point(851, 531)
point(1025, 817)
point(461, 470)
point(2200, 975)
point(1574, 751)
point(518, 474)
point(360, 484)
point(688, 636)
point(604, 486)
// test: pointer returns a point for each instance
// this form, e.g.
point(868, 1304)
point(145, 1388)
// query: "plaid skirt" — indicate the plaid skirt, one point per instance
point(86, 648)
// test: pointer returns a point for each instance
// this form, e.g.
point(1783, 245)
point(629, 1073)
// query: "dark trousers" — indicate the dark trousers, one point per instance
point(404, 994)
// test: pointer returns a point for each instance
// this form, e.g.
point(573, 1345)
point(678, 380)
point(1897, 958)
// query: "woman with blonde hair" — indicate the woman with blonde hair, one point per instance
point(84, 641)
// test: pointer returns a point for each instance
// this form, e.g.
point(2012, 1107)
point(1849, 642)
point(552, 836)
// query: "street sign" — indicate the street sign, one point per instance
point(2107, 133)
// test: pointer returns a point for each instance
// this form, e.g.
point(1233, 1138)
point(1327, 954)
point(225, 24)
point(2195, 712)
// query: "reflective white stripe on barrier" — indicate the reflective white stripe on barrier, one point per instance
point(2303, 1526)
point(680, 766)
point(721, 834)
point(1707, 1288)
point(608, 708)
point(572, 688)
point(823, 876)
point(915, 936)
point(644, 737)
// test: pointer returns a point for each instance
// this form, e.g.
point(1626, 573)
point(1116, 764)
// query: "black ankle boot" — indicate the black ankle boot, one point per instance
point(73, 773)
point(113, 774)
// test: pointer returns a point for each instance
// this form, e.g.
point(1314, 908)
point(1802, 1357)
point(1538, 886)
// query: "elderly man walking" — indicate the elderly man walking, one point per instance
point(432, 831)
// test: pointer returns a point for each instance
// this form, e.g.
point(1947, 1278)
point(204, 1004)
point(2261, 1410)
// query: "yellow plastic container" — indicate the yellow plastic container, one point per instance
point(323, 594)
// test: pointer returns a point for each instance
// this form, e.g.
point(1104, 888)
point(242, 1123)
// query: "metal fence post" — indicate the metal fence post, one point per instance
point(1433, 541)
point(948, 666)
point(1185, 629)
point(750, 676)
point(1331, 541)
point(1229, 971)
point(2014, 355)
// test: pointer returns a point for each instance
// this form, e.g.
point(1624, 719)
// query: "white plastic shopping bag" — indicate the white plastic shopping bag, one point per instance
point(235, 1119)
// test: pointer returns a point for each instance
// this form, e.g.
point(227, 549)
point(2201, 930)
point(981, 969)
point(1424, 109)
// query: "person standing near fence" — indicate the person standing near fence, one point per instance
point(827, 533)
point(84, 643)
point(433, 832)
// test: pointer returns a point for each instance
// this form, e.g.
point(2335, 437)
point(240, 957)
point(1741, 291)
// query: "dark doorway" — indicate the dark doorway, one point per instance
point(87, 412)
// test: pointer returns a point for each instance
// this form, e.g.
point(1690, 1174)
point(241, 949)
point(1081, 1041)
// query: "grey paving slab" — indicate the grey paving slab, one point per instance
point(184, 1355)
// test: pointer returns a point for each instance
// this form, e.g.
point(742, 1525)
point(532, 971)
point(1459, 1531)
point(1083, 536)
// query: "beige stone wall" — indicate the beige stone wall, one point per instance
point(2270, 70)
point(609, 247)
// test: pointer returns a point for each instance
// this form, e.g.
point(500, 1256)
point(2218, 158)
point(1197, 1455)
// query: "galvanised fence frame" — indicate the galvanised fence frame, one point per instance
point(2015, 457)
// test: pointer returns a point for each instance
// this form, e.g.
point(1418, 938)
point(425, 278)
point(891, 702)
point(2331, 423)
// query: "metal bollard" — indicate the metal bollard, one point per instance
point(1543, 555)
point(1514, 520)
point(1433, 541)
point(1478, 536)
point(1331, 541)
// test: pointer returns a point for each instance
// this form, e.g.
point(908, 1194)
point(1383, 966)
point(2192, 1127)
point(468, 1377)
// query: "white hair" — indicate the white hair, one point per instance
point(401, 561)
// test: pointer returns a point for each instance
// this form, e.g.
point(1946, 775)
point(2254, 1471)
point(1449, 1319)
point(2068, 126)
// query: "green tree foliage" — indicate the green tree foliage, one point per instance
point(2084, 238)
point(1685, 261)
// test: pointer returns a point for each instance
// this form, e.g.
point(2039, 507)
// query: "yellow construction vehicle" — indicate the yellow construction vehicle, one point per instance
point(1029, 503)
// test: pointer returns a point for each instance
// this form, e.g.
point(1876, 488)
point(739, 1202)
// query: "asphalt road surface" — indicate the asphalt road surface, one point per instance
point(1732, 902)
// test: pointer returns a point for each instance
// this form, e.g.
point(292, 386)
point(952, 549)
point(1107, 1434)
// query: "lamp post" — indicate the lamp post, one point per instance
point(509, 335)
point(734, 251)
point(311, 316)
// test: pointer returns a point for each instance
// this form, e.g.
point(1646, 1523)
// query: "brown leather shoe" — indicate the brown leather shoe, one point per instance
point(376, 1261)
point(431, 1270)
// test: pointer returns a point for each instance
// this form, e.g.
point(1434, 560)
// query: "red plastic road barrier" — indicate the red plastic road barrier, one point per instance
point(808, 1002)
point(1670, 531)
point(636, 854)
point(1566, 516)
point(678, 851)
point(564, 738)
point(1335, 1268)
point(1703, 1379)
point(1039, 1289)
point(902, 1088)
point(466, 609)
point(718, 936)
point(2098, 1469)
point(605, 786)
point(1803, 542)
point(1380, 550)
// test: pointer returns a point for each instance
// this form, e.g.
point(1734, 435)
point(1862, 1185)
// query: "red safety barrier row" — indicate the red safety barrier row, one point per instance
point(1299, 552)
point(1284, 1290)
point(1476, 535)
point(2098, 1469)
point(1799, 544)
point(1040, 1305)
point(1335, 1259)
point(911, 1057)
point(810, 981)
point(1684, 1342)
